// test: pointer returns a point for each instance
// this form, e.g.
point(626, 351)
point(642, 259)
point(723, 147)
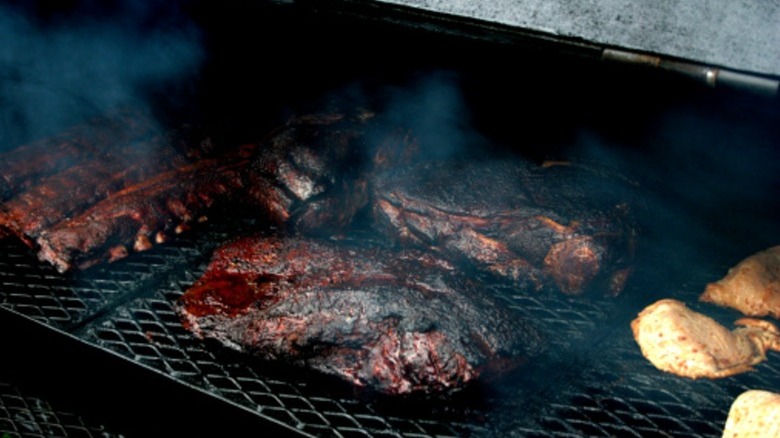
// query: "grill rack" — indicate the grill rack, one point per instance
point(603, 386)
point(25, 415)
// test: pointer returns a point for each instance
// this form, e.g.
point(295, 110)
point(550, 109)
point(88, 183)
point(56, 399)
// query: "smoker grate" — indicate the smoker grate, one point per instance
point(148, 331)
point(22, 415)
point(602, 385)
point(623, 394)
point(35, 290)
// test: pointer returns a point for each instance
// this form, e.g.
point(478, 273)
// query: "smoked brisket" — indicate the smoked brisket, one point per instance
point(395, 321)
point(563, 226)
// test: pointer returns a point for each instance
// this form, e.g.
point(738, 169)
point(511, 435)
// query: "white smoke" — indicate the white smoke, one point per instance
point(55, 73)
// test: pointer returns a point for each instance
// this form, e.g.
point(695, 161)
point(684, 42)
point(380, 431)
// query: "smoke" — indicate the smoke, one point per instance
point(706, 183)
point(433, 106)
point(429, 104)
point(56, 70)
point(702, 175)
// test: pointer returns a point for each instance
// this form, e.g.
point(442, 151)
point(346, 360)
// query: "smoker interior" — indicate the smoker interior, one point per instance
point(107, 341)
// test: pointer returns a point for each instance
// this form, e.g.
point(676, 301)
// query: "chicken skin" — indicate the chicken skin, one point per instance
point(681, 341)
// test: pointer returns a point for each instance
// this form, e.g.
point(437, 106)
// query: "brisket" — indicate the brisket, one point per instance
point(563, 226)
point(395, 321)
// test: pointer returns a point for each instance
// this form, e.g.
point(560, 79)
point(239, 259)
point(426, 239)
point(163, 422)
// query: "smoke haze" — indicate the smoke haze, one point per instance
point(55, 73)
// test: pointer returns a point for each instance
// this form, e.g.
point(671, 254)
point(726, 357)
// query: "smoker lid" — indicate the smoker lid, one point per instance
point(741, 36)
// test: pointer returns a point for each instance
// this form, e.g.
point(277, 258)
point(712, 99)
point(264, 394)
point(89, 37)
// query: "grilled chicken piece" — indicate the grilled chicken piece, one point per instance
point(680, 341)
point(752, 286)
point(560, 226)
point(754, 414)
point(395, 321)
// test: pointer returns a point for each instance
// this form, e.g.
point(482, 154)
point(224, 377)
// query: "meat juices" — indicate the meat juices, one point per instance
point(754, 414)
point(559, 226)
point(680, 341)
point(752, 286)
point(395, 321)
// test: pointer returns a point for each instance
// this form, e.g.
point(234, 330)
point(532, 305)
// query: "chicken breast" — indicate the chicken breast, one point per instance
point(754, 414)
point(680, 341)
point(752, 286)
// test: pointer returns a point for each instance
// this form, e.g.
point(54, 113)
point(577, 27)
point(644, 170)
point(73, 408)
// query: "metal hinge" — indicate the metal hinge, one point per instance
point(712, 76)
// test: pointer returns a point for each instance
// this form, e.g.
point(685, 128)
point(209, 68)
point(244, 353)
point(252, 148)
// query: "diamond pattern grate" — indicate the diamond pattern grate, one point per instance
point(22, 415)
point(601, 386)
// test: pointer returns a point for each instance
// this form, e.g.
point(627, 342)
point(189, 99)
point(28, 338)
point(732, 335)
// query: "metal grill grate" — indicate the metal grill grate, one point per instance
point(36, 290)
point(149, 331)
point(24, 416)
point(601, 386)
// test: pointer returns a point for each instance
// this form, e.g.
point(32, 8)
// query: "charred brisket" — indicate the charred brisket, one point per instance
point(561, 226)
point(395, 321)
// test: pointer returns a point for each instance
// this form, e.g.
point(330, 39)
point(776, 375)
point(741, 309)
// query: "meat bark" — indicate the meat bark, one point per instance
point(26, 165)
point(563, 226)
point(313, 173)
point(133, 218)
point(73, 190)
point(395, 321)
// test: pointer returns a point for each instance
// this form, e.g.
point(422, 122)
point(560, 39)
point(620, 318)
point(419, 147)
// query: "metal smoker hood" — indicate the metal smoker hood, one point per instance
point(731, 44)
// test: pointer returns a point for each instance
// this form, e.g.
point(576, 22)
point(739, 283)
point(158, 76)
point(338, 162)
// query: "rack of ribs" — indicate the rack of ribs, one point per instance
point(71, 191)
point(136, 216)
point(395, 321)
point(310, 176)
point(24, 166)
